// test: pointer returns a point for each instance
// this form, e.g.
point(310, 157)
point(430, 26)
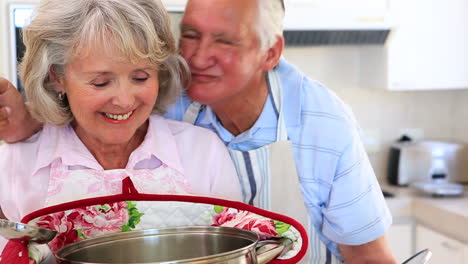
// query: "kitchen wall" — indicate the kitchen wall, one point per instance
point(384, 114)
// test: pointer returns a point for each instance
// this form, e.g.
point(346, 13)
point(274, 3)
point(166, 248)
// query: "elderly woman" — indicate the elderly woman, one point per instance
point(98, 73)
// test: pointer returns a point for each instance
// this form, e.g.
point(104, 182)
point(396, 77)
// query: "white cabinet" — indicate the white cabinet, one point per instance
point(400, 239)
point(465, 253)
point(336, 14)
point(444, 249)
point(428, 48)
point(174, 2)
point(171, 4)
point(358, 4)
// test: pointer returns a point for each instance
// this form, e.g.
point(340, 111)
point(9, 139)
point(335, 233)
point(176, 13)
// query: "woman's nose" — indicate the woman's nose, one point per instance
point(123, 96)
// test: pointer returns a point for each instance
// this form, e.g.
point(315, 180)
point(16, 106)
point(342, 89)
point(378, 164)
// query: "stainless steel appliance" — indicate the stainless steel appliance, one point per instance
point(427, 161)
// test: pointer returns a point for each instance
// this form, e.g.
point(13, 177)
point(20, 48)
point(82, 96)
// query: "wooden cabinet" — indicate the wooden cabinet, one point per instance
point(400, 238)
point(444, 249)
point(427, 49)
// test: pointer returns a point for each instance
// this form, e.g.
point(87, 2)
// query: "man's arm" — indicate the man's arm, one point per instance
point(376, 251)
point(16, 123)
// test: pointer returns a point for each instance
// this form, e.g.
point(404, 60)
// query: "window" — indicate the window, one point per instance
point(18, 15)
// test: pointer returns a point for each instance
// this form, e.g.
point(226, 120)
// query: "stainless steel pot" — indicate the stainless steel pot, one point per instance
point(205, 244)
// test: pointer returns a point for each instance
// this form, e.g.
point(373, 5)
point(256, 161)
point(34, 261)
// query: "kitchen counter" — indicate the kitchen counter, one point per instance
point(447, 215)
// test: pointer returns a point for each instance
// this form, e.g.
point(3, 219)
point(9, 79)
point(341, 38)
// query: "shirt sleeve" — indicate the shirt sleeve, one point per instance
point(356, 212)
point(7, 186)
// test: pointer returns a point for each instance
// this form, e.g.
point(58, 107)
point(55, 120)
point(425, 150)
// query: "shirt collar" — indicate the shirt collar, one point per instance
point(63, 143)
point(159, 143)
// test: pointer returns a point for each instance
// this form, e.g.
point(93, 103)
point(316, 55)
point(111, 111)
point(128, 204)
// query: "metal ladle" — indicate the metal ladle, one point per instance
point(23, 232)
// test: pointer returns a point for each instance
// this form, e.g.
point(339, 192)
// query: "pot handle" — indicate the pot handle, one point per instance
point(284, 245)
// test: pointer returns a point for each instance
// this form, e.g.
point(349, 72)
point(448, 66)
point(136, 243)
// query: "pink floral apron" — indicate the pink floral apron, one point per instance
point(70, 185)
point(83, 204)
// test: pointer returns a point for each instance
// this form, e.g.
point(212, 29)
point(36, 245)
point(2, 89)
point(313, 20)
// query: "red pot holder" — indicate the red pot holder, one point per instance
point(89, 218)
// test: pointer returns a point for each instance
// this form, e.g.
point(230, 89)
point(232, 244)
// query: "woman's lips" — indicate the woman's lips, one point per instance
point(118, 118)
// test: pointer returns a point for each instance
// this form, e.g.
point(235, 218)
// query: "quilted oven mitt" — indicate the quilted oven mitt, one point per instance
point(89, 218)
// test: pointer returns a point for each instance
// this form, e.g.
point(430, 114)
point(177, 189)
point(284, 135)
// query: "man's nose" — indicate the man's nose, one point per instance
point(203, 56)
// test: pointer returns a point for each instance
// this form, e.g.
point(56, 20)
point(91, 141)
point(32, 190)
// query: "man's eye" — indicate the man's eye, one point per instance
point(189, 36)
point(226, 42)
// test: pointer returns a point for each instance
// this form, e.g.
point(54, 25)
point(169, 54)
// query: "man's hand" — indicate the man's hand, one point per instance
point(16, 123)
point(375, 252)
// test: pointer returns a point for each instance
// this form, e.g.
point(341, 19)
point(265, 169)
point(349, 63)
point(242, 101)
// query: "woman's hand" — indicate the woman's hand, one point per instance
point(16, 123)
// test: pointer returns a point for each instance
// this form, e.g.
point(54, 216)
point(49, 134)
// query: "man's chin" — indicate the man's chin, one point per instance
point(201, 93)
point(200, 98)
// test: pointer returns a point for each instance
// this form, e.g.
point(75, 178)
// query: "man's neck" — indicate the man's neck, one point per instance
point(240, 112)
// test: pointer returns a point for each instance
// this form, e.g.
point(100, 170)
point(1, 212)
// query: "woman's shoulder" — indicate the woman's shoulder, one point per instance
point(17, 154)
point(27, 146)
point(16, 162)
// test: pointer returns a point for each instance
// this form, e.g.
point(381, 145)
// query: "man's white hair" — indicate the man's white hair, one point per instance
point(269, 22)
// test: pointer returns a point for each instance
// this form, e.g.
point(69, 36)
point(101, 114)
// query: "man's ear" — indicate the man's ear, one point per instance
point(56, 81)
point(274, 54)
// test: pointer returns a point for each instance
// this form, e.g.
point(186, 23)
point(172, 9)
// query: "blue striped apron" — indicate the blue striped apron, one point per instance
point(269, 178)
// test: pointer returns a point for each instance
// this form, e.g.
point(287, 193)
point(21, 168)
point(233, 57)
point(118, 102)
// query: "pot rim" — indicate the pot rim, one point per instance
point(62, 254)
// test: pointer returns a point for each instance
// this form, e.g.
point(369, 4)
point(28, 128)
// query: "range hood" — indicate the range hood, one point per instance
point(348, 22)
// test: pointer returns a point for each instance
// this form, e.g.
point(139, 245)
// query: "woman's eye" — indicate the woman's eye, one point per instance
point(140, 79)
point(101, 84)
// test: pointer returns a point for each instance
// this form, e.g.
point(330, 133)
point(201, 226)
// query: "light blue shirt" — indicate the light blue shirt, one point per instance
point(341, 192)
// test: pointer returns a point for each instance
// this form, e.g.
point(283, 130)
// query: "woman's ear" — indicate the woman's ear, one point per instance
point(274, 54)
point(56, 81)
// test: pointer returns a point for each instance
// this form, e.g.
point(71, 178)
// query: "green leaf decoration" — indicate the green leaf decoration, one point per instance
point(281, 227)
point(126, 228)
point(133, 217)
point(81, 234)
point(104, 208)
point(130, 205)
point(218, 209)
point(34, 253)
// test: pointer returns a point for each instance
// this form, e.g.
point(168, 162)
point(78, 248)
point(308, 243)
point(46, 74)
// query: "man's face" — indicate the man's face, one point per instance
point(219, 42)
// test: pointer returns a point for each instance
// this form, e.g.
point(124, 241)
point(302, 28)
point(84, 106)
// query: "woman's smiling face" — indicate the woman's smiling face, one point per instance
point(110, 98)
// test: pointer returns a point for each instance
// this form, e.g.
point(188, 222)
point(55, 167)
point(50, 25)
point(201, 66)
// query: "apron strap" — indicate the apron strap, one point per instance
point(277, 95)
point(191, 114)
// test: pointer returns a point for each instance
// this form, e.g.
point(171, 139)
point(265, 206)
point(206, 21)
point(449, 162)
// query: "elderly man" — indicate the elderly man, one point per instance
point(295, 145)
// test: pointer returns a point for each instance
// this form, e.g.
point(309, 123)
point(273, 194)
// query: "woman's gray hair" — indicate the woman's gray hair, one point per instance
point(140, 29)
point(270, 22)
